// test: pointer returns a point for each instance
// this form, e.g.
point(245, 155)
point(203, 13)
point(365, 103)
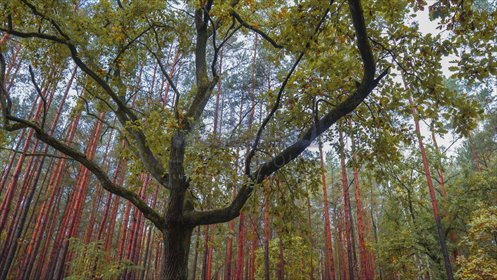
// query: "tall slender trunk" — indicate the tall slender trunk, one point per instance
point(267, 235)
point(360, 221)
point(240, 240)
point(115, 207)
point(311, 240)
point(327, 227)
point(44, 214)
point(255, 243)
point(95, 205)
point(436, 212)
point(11, 188)
point(81, 191)
point(229, 250)
point(197, 242)
point(280, 268)
point(476, 159)
point(6, 172)
point(347, 216)
point(22, 220)
point(205, 258)
point(149, 238)
point(171, 73)
point(341, 244)
point(441, 179)
point(124, 230)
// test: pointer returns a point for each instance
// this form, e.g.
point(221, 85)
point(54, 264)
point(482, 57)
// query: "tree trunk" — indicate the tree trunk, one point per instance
point(436, 212)
point(327, 227)
point(441, 179)
point(266, 236)
point(360, 222)
point(197, 243)
point(176, 248)
point(348, 226)
point(474, 153)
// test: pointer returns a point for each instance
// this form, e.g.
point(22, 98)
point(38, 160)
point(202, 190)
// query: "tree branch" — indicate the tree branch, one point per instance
point(256, 30)
point(105, 181)
point(367, 85)
point(266, 120)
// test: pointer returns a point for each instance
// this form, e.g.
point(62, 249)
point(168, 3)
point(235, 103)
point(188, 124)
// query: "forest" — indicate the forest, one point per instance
point(248, 139)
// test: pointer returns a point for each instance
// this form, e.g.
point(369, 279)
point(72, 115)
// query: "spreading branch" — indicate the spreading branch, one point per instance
point(105, 181)
point(256, 30)
point(368, 83)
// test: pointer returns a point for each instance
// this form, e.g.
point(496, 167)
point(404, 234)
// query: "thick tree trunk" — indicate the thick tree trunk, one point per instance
point(176, 248)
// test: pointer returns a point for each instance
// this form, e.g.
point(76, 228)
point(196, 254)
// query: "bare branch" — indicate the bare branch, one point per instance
point(256, 30)
point(35, 154)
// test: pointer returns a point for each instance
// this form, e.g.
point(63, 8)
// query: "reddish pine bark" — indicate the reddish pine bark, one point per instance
point(9, 195)
point(347, 216)
point(48, 270)
point(133, 250)
point(80, 193)
point(6, 172)
point(9, 257)
point(194, 273)
point(240, 240)
point(343, 250)
point(97, 198)
point(441, 179)
point(436, 212)
point(359, 212)
point(14, 75)
point(108, 203)
point(124, 230)
point(327, 227)
point(171, 73)
point(115, 207)
point(54, 181)
point(476, 159)
point(209, 252)
point(148, 252)
point(205, 252)
point(24, 193)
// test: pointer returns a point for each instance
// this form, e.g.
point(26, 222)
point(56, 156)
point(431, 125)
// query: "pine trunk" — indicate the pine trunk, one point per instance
point(360, 221)
point(267, 233)
point(436, 212)
point(327, 226)
point(347, 214)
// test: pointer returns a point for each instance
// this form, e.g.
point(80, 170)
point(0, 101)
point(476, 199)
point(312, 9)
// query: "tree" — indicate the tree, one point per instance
point(110, 43)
